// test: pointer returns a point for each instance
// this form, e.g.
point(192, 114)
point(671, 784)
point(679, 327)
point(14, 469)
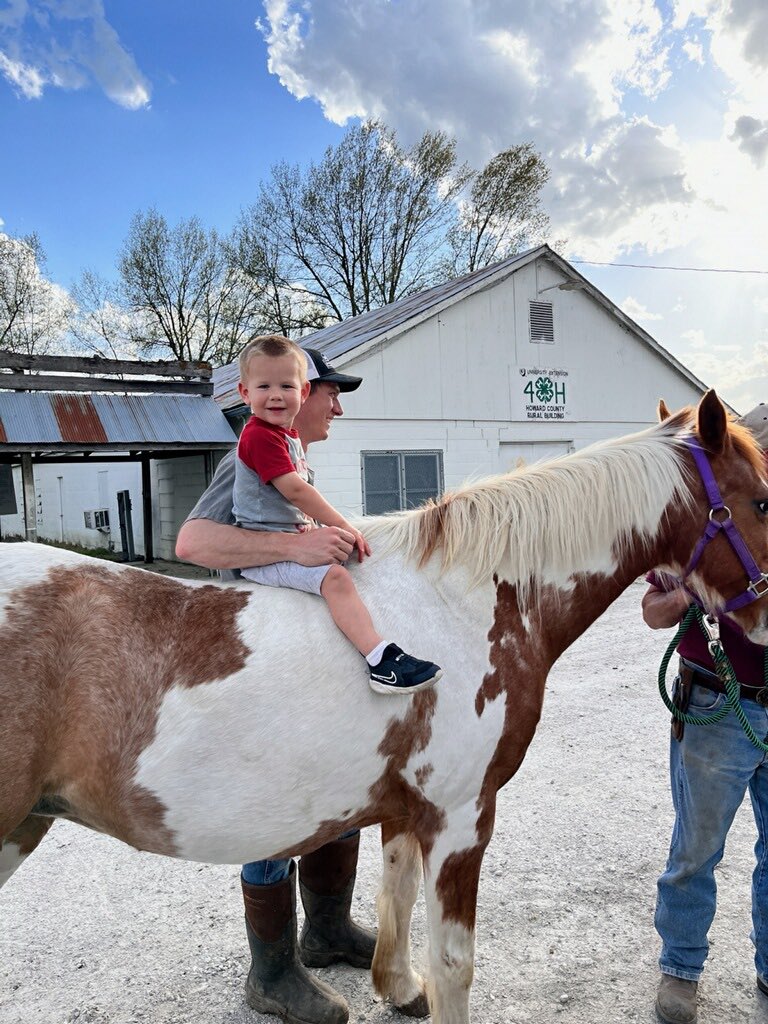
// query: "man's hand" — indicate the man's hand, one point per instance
point(323, 546)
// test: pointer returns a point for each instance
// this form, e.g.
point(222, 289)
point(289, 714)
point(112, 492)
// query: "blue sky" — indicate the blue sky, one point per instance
point(215, 122)
point(652, 114)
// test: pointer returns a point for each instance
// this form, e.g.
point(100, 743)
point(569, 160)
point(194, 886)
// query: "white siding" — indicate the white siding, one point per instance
point(455, 383)
point(471, 449)
point(176, 486)
point(65, 491)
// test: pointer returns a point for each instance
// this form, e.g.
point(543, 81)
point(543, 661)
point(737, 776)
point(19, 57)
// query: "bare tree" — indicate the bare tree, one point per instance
point(34, 312)
point(188, 298)
point(102, 324)
point(362, 228)
point(500, 212)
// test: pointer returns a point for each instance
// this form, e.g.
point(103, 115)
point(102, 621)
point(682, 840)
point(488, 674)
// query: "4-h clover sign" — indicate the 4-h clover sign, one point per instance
point(542, 389)
point(544, 393)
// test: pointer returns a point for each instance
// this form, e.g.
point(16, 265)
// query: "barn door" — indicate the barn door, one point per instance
point(511, 452)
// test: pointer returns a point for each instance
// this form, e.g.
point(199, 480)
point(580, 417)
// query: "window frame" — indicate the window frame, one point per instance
point(400, 454)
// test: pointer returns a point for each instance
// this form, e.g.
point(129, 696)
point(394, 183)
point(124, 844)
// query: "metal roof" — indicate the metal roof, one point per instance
point(340, 338)
point(56, 420)
point(381, 325)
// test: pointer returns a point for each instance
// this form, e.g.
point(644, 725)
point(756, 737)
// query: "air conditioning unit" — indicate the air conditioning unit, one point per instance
point(97, 519)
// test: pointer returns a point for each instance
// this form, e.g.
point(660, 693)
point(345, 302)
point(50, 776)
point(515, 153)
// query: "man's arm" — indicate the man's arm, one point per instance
point(209, 538)
point(218, 546)
point(663, 609)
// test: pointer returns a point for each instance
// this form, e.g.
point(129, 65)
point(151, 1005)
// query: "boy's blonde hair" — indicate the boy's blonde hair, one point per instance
point(273, 345)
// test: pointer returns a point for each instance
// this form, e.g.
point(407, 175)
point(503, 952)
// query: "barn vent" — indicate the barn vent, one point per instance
point(542, 323)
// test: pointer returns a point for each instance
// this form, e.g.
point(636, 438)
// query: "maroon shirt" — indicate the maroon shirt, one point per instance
point(746, 658)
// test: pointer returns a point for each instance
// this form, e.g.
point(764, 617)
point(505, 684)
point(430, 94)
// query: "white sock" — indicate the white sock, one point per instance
point(374, 657)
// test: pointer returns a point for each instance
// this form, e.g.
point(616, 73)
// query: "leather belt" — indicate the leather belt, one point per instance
point(759, 694)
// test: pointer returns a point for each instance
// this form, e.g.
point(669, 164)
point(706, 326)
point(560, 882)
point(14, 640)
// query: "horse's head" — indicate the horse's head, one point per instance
point(727, 542)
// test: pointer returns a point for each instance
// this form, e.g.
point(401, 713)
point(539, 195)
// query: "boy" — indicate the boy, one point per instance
point(272, 492)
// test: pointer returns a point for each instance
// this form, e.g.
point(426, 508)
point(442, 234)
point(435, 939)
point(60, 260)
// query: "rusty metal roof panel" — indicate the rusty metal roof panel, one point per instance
point(77, 418)
point(133, 420)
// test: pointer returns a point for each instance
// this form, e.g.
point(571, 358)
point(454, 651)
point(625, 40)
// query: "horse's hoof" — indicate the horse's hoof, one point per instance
point(418, 1007)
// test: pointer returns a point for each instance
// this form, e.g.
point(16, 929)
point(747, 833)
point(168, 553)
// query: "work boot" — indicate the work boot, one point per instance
point(676, 1000)
point(326, 881)
point(278, 982)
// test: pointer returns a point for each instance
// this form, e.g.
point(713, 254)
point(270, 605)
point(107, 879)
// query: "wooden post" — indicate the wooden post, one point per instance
point(207, 467)
point(30, 503)
point(146, 504)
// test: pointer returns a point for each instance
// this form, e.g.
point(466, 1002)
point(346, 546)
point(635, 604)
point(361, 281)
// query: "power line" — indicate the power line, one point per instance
point(653, 266)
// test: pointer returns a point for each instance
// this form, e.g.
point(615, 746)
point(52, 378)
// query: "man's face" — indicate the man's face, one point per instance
point(314, 419)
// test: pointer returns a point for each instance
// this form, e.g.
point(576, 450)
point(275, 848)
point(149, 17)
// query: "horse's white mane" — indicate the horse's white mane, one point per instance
point(550, 520)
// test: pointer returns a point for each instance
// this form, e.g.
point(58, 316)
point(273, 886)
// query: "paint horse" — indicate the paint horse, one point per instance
point(230, 723)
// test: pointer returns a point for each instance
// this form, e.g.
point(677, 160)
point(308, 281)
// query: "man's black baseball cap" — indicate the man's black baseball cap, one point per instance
point(319, 369)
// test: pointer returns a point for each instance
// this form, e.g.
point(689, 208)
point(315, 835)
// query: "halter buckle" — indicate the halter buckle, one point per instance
point(723, 508)
point(759, 587)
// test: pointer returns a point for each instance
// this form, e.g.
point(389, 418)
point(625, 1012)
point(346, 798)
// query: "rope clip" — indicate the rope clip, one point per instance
point(712, 629)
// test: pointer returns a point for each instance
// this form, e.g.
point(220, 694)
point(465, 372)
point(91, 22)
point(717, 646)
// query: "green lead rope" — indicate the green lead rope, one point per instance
point(725, 673)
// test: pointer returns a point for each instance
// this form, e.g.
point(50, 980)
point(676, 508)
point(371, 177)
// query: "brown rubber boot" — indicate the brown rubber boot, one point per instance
point(278, 982)
point(676, 1000)
point(326, 881)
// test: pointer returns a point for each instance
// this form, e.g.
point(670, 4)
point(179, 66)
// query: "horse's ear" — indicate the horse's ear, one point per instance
point(663, 411)
point(712, 422)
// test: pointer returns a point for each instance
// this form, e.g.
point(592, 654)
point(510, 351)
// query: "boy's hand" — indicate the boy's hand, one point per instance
point(362, 545)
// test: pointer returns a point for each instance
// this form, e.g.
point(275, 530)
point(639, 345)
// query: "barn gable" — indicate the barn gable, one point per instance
point(522, 360)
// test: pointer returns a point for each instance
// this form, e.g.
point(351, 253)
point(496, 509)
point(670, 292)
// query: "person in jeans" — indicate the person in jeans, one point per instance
point(711, 768)
point(278, 981)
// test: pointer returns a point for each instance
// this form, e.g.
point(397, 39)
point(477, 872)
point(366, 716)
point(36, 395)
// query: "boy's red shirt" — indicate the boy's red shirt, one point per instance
point(264, 449)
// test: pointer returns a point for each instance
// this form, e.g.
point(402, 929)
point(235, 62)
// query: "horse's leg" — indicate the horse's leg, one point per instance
point(451, 877)
point(393, 975)
point(19, 843)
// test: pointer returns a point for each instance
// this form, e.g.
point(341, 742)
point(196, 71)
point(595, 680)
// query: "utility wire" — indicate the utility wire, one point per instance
point(652, 266)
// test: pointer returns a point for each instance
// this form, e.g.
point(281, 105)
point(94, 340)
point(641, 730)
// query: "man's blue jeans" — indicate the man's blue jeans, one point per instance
point(710, 771)
point(267, 872)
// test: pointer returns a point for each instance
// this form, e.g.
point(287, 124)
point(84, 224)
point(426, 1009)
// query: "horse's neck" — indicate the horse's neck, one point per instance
point(560, 615)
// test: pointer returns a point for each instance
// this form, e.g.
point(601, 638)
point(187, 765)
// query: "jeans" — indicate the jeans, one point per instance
point(710, 771)
point(267, 872)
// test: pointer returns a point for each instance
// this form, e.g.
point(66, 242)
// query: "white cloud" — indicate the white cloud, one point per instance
point(557, 74)
point(695, 338)
point(67, 44)
point(637, 311)
point(694, 51)
point(27, 79)
point(743, 375)
point(577, 78)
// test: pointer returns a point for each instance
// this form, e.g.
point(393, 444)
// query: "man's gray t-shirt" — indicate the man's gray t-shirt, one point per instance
point(216, 501)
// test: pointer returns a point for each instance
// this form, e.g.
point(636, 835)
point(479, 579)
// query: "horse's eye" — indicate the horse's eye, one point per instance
point(762, 507)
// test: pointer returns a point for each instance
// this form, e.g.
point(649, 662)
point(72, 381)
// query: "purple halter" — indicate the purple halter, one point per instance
point(758, 581)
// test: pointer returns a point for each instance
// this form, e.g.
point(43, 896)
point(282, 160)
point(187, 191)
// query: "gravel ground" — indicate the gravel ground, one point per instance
point(93, 931)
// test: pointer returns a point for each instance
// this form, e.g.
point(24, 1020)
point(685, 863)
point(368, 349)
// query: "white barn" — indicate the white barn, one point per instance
point(525, 359)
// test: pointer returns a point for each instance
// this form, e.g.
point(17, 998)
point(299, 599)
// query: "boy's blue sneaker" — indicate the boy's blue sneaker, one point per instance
point(398, 672)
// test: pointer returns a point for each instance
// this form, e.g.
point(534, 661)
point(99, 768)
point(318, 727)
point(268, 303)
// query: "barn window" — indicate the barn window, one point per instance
point(542, 324)
point(399, 480)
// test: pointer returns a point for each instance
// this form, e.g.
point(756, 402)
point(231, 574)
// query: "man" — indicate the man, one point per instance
point(711, 768)
point(278, 981)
